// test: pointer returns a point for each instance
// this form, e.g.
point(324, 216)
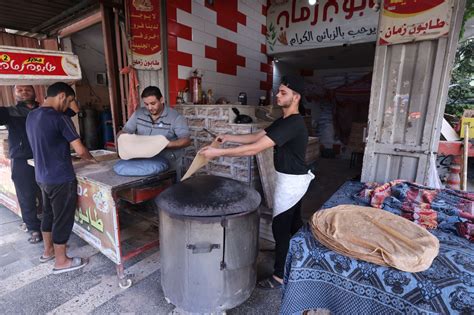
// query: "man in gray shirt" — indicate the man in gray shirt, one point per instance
point(156, 118)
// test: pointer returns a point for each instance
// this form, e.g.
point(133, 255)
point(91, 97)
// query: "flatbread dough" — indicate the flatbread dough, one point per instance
point(132, 146)
point(376, 236)
point(199, 161)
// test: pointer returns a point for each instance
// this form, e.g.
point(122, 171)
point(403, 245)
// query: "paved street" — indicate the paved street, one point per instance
point(28, 287)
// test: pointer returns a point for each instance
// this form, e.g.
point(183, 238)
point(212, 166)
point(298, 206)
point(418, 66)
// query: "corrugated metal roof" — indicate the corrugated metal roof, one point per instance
point(41, 16)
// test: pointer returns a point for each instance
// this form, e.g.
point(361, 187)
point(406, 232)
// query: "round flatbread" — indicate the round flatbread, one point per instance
point(376, 236)
point(135, 146)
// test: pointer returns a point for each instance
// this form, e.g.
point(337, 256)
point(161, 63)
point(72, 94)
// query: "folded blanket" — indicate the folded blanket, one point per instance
point(451, 211)
point(375, 236)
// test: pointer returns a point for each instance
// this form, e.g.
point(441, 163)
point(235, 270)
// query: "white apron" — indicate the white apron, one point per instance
point(289, 189)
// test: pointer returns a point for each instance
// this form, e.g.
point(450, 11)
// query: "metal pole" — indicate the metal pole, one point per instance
point(465, 157)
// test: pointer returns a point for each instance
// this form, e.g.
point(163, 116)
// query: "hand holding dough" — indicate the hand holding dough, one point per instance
point(199, 161)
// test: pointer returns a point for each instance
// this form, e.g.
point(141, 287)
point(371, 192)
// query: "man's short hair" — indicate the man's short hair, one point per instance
point(60, 87)
point(152, 91)
point(28, 85)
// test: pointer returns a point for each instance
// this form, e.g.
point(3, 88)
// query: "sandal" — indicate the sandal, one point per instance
point(76, 263)
point(43, 259)
point(23, 227)
point(35, 238)
point(269, 284)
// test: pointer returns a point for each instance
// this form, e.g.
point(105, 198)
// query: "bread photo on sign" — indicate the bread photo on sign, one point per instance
point(143, 5)
point(70, 66)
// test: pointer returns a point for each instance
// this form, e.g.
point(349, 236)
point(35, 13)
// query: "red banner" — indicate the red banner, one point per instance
point(33, 64)
point(145, 32)
point(37, 66)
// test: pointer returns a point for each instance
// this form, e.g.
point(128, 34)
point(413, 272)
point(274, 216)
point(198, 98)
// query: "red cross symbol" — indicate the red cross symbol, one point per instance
point(226, 56)
point(227, 14)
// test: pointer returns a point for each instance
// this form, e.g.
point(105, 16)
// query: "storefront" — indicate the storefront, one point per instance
point(375, 88)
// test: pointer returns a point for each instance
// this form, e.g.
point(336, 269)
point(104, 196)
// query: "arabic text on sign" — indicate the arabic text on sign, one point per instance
point(329, 35)
point(38, 68)
point(415, 29)
point(332, 7)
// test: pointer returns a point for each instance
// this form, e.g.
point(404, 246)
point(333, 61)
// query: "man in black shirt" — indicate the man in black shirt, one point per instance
point(23, 175)
point(289, 137)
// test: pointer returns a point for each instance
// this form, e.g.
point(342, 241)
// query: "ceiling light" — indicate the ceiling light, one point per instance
point(312, 2)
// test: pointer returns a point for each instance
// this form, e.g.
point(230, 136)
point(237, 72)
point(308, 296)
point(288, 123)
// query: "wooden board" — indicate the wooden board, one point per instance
point(266, 168)
point(448, 132)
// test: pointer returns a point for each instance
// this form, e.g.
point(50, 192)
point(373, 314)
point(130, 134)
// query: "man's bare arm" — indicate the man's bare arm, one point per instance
point(180, 143)
point(243, 150)
point(242, 139)
point(82, 151)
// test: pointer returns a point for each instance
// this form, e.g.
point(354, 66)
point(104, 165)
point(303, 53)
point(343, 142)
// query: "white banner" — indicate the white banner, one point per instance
point(295, 25)
point(414, 20)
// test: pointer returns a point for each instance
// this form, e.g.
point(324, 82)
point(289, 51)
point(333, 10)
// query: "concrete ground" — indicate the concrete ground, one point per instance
point(28, 287)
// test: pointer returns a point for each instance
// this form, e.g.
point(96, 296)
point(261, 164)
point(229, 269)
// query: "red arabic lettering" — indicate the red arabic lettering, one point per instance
point(315, 14)
point(284, 14)
point(304, 13)
point(349, 7)
point(330, 3)
point(439, 24)
point(415, 29)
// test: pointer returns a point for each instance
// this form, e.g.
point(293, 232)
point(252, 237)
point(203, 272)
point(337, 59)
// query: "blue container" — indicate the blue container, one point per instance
point(106, 126)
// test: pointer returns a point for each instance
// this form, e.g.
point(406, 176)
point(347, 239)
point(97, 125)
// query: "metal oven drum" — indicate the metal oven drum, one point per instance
point(208, 243)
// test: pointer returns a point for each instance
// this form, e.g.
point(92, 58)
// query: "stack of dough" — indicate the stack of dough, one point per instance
point(376, 236)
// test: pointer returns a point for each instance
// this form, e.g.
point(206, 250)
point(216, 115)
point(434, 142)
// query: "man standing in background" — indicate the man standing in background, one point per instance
point(23, 175)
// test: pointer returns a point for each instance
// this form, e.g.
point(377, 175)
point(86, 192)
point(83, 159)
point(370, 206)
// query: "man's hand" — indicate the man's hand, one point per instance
point(74, 106)
point(180, 143)
point(222, 138)
point(209, 152)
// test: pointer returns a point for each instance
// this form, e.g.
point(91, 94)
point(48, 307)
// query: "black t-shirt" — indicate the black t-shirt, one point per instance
point(291, 138)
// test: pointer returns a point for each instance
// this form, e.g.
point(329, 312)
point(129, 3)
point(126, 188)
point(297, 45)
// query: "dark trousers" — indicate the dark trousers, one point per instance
point(284, 226)
point(27, 192)
point(59, 206)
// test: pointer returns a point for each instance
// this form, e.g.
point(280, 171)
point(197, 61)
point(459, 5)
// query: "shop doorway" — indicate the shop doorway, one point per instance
point(337, 83)
point(95, 118)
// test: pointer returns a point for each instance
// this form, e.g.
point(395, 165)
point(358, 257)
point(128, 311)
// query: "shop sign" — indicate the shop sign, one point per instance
point(37, 66)
point(414, 20)
point(295, 25)
point(145, 33)
point(95, 218)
